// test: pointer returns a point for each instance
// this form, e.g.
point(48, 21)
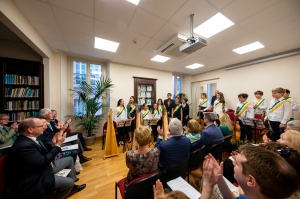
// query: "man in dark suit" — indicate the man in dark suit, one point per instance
point(214, 98)
point(30, 167)
point(212, 134)
point(176, 148)
point(169, 104)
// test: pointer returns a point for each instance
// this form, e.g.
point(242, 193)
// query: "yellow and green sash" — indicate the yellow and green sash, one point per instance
point(160, 107)
point(146, 113)
point(289, 99)
point(155, 113)
point(277, 105)
point(177, 107)
point(243, 109)
point(259, 102)
point(218, 104)
point(132, 109)
point(120, 111)
point(203, 102)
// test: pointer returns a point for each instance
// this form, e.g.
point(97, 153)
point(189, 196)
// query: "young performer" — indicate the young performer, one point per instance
point(145, 114)
point(244, 109)
point(131, 108)
point(204, 105)
point(157, 115)
point(259, 103)
point(160, 107)
point(120, 114)
point(279, 112)
point(219, 104)
point(185, 111)
point(177, 109)
point(295, 105)
point(169, 103)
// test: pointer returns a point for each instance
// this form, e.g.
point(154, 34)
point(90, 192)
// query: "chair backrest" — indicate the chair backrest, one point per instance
point(231, 110)
point(175, 170)
point(226, 143)
point(216, 151)
point(196, 159)
point(142, 187)
point(258, 116)
point(2, 178)
point(231, 115)
point(105, 126)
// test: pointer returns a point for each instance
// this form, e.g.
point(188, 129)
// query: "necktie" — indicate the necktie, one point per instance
point(168, 102)
point(49, 125)
point(43, 146)
point(4, 129)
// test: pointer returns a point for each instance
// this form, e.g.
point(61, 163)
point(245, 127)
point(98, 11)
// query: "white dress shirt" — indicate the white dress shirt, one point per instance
point(281, 114)
point(122, 116)
point(249, 113)
point(157, 116)
point(262, 107)
point(206, 104)
point(295, 106)
point(219, 109)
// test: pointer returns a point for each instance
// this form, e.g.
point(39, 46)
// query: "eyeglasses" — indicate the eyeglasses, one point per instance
point(285, 151)
point(39, 126)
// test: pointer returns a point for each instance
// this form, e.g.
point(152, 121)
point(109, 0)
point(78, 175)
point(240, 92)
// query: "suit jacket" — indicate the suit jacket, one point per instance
point(212, 134)
point(173, 150)
point(6, 137)
point(48, 134)
point(169, 108)
point(29, 171)
point(213, 100)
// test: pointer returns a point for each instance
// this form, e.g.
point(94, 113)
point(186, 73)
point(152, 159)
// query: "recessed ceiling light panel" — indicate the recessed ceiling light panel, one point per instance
point(194, 66)
point(213, 25)
point(249, 48)
point(107, 45)
point(160, 58)
point(135, 2)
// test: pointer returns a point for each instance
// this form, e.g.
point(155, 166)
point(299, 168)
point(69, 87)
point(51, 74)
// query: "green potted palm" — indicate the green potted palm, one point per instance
point(90, 95)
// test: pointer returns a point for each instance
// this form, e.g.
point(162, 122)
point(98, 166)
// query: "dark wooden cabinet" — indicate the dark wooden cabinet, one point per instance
point(145, 90)
point(21, 88)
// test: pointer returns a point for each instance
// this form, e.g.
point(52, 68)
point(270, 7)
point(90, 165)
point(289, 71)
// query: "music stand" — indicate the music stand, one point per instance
point(253, 122)
point(152, 121)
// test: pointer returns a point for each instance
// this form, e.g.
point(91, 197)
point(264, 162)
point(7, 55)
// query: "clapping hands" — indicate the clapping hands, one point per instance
point(212, 171)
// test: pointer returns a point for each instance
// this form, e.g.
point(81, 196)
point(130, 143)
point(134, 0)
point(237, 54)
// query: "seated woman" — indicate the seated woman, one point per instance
point(290, 138)
point(225, 124)
point(144, 160)
point(193, 133)
point(293, 125)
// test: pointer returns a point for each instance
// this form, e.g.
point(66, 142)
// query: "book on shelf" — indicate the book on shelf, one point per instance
point(21, 79)
point(21, 92)
point(22, 105)
point(20, 116)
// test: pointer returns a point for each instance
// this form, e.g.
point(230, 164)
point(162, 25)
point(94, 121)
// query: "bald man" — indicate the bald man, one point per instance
point(214, 98)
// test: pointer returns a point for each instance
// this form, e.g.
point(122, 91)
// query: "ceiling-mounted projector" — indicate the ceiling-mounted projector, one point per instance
point(192, 44)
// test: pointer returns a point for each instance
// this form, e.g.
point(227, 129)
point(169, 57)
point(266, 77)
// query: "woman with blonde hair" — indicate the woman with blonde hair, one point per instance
point(290, 138)
point(293, 125)
point(193, 133)
point(225, 124)
point(144, 160)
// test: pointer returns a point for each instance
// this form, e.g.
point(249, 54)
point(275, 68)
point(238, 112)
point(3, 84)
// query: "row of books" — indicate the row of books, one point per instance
point(22, 105)
point(21, 79)
point(20, 116)
point(21, 92)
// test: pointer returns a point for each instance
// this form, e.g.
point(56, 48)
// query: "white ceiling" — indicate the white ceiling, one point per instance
point(71, 25)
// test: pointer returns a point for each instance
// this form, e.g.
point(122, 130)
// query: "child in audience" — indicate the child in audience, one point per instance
point(225, 124)
point(244, 109)
point(279, 112)
point(259, 103)
point(295, 105)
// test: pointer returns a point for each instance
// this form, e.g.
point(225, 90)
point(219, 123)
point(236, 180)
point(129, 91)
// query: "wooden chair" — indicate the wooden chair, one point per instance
point(104, 133)
point(216, 151)
point(175, 170)
point(141, 187)
point(195, 160)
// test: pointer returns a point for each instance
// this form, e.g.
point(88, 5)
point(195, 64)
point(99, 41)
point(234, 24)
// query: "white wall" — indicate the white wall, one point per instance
point(122, 78)
point(265, 76)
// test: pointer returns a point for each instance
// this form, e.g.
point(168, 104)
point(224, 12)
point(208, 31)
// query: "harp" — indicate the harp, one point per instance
point(165, 124)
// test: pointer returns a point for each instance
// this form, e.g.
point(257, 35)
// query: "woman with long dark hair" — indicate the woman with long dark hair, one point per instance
point(177, 109)
point(131, 108)
point(120, 114)
point(160, 107)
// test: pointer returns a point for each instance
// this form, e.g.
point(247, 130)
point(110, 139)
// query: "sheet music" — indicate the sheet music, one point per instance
point(71, 138)
point(70, 147)
point(120, 123)
point(128, 122)
point(181, 185)
point(232, 188)
point(63, 173)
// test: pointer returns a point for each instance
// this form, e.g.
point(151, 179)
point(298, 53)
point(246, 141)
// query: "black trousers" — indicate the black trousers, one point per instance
point(276, 130)
point(121, 134)
point(245, 130)
point(155, 133)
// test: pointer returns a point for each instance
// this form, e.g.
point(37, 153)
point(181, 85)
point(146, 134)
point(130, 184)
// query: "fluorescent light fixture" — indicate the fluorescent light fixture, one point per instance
point(134, 1)
point(248, 48)
point(107, 45)
point(194, 66)
point(160, 58)
point(214, 25)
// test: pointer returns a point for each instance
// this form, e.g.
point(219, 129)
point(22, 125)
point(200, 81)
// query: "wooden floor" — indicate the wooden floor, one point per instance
point(100, 175)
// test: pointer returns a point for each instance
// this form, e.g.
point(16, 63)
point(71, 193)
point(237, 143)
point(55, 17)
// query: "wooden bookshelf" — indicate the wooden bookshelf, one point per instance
point(145, 90)
point(21, 88)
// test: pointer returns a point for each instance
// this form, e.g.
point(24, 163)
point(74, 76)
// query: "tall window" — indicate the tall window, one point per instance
point(83, 71)
point(176, 85)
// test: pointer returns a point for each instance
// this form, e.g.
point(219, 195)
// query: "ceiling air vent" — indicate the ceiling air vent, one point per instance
point(171, 47)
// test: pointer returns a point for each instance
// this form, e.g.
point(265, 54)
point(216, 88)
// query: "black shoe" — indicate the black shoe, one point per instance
point(77, 173)
point(76, 179)
point(76, 188)
point(87, 149)
point(84, 160)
